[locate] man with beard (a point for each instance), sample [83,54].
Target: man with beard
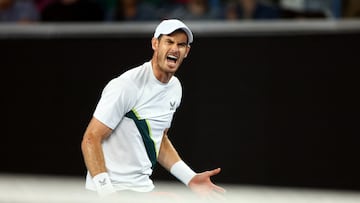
[127,134]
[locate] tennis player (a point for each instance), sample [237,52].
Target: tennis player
[127,134]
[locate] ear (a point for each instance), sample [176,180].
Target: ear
[154,43]
[187,51]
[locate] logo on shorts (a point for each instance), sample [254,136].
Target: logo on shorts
[172,105]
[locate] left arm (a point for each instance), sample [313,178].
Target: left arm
[168,155]
[200,183]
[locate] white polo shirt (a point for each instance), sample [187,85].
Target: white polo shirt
[138,108]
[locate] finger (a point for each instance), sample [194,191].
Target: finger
[214,171]
[213,196]
[217,196]
[219,189]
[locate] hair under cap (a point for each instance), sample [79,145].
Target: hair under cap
[169,26]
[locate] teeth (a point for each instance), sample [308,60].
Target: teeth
[172,57]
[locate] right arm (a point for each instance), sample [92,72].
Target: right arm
[91,147]
[93,155]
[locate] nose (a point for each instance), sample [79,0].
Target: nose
[175,47]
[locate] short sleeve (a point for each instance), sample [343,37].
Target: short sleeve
[117,98]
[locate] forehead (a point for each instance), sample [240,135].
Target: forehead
[178,34]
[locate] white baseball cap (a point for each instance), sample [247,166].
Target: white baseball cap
[169,26]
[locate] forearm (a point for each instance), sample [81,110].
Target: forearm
[168,155]
[171,161]
[93,156]
[91,146]
[94,161]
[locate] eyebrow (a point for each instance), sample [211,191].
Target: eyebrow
[172,41]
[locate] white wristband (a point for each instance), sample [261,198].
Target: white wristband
[182,172]
[103,184]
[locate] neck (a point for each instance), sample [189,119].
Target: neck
[159,74]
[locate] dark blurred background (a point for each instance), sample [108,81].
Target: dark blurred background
[270,102]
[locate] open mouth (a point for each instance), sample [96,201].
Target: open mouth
[172,58]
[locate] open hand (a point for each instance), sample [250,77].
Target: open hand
[202,185]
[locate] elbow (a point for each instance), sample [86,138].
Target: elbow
[84,143]
[88,142]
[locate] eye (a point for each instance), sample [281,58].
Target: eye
[182,45]
[169,41]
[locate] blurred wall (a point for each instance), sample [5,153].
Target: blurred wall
[268,109]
